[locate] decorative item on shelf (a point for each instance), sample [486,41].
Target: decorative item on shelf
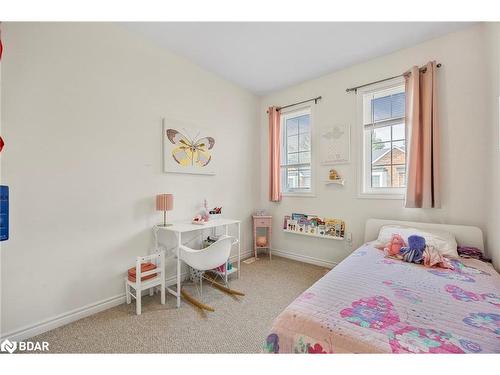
[312,225]
[333,175]
[285,221]
[292,225]
[165,202]
[334,178]
[260,212]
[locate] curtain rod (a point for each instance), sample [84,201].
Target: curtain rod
[355,89]
[302,102]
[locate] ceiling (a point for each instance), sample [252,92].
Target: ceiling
[265,57]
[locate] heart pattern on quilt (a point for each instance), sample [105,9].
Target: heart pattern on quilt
[373,312]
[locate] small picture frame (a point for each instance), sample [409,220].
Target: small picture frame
[335,145]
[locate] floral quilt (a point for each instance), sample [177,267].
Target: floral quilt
[372,304]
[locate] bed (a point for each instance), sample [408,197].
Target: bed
[373,304]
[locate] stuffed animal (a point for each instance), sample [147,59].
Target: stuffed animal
[394,246]
[414,252]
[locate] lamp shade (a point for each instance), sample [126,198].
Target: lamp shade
[164,202]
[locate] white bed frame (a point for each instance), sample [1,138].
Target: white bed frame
[464,234]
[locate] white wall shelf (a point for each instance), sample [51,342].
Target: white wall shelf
[339,181]
[314,235]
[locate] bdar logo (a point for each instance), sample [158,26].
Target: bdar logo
[8,346]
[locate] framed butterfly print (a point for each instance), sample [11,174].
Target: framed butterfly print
[187,149]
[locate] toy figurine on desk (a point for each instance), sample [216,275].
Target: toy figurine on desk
[216,211]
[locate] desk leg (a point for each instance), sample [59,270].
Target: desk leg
[227,261]
[239,250]
[178,270]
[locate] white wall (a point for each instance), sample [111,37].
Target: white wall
[463,117]
[81,117]
[493,48]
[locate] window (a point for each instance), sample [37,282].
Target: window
[384,141]
[296,173]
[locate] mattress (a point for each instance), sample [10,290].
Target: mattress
[373,304]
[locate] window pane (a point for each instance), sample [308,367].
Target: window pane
[304,157]
[305,177]
[398,105]
[381,134]
[303,124]
[304,142]
[381,153]
[398,132]
[381,108]
[292,178]
[398,152]
[292,143]
[381,177]
[292,126]
[292,158]
[399,175]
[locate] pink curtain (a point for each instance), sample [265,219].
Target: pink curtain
[274,154]
[423,144]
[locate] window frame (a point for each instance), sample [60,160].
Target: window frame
[365,190]
[284,115]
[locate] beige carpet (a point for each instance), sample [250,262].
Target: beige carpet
[237,326]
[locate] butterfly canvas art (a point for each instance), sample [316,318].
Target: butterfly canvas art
[188,150]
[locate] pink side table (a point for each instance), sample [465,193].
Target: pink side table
[262,222]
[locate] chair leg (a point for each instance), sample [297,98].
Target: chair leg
[162,292]
[127,293]
[138,302]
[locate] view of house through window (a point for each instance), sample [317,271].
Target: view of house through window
[384,140]
[296,151]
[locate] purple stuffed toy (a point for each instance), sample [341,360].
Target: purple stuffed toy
[414,252]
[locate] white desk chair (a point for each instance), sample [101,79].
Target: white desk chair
[149,273]
[210,257]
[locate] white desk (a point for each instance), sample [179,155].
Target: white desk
[184,227]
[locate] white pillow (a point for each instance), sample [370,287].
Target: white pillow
[442,240]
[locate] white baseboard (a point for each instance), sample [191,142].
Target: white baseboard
[63,319]
[304,258]
[82,312]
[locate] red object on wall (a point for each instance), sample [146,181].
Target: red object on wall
[1,47]
[1,144]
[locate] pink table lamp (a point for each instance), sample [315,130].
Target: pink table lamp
[164,202]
